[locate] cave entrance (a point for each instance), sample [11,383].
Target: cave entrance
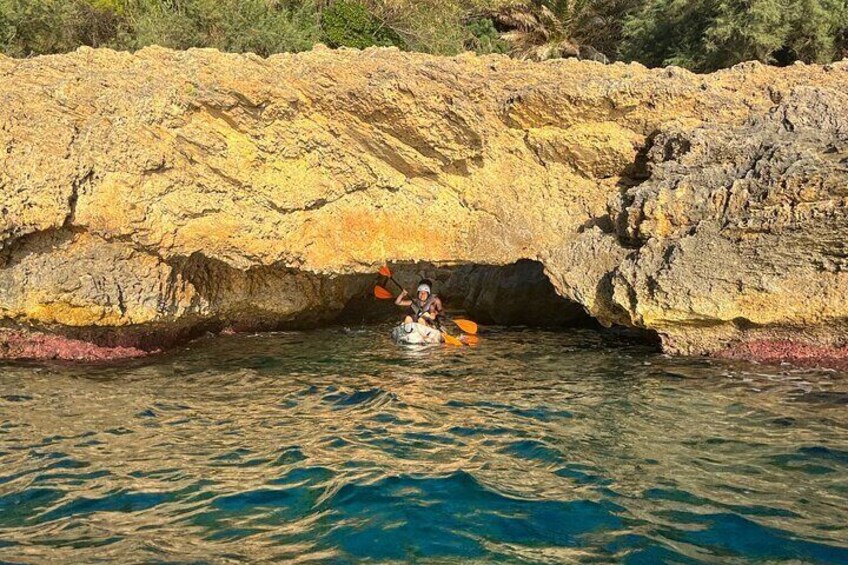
[518,294]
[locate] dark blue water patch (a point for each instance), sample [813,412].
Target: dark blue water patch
[35,454]
[155,473]
[289,456]
[391,445]
[387,418]
[90,443]
[542,413]
[17,507]
[357,397]
[196,493]
[272,506]
[149,413]
[784,422]
[825,453]
[534,450]
[812,460]
[81,543]
[71,479]
[482,431]
[68,463]
[233,534]
[337,443]
[285,499]
[16,397]
[288,404]
[730,535]
[582,474]
[676,495]
[722,441]
[119,501]
[56,463]
[7,543]
[824,397]
[14,476]
[451,516]
[170,406]
[423,439]
[312,390]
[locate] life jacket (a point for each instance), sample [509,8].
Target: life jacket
[420,308]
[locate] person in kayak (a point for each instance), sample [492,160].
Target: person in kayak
[426,307]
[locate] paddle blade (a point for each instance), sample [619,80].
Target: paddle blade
[382,293]
[384,270]
[471,339]
[450,340]
[467,326]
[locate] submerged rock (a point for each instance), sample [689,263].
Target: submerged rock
[151,197]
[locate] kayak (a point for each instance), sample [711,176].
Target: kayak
[416,334]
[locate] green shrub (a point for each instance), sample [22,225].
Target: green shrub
[34,27]
[256,26]
[669,32]
[485,38]
[345,23]
[705,35]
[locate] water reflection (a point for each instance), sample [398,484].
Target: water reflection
[336,445]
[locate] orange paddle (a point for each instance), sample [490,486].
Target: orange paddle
[466,326]
[384,294]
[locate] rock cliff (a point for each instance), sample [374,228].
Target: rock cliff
[147,197]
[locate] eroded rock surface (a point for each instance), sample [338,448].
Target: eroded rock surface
[148,197]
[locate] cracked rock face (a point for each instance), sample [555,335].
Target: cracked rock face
[149,196]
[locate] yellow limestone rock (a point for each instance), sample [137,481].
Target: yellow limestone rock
[178,188]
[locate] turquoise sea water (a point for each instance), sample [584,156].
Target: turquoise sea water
[336,446]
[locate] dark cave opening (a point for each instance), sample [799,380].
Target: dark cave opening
[514,295]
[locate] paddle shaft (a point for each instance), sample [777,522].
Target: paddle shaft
[392,278]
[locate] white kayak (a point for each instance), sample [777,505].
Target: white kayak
[416,334]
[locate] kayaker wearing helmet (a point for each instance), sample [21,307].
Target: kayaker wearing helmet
[426,306]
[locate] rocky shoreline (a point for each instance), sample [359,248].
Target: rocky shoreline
[150,197]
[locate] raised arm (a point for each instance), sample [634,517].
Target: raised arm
[401,299]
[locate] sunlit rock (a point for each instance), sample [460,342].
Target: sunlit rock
[169,193]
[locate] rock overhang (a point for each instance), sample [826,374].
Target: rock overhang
[709,208]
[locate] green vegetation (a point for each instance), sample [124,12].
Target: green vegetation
[701,35]
[350,24]
[705,35]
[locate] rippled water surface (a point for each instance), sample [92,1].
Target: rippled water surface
[336,446]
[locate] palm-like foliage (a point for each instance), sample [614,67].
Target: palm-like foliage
[535,32]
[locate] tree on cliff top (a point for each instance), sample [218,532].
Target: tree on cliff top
[543,29]
[705,35]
